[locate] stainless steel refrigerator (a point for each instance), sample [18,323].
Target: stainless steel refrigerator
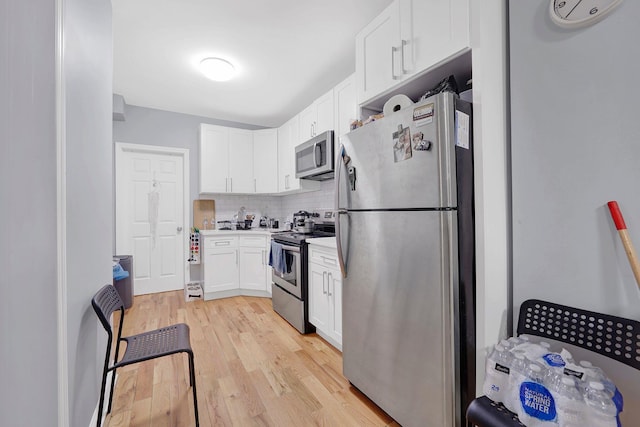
[405,235]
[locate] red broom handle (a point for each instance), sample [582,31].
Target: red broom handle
[618,220]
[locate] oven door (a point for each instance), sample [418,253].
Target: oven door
[291,281]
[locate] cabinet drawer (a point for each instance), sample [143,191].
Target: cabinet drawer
[253,241]
[323,256]
[220,242]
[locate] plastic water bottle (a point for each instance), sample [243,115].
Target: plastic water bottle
[601,411]
[517,376]
[594,373]
[570,405]
[498,369]
[537,405]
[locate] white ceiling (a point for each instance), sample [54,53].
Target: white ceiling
[288,52]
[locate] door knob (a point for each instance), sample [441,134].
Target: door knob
[179,229]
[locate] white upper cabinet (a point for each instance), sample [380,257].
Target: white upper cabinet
[316,118]
[241,161]
[431,31]
[407,38]
[378,55]
[288,138]
[265,160]
[214,159]
[237,160]
[345,107]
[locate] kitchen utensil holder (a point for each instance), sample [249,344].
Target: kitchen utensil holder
[611,336]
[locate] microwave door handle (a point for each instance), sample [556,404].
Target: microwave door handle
[339,211]
[316,147]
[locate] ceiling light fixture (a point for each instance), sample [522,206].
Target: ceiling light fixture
[217,69]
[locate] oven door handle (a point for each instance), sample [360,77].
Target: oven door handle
[291,248]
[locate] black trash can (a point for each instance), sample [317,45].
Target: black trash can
[125,286]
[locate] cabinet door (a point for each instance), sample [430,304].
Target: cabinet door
[241,161]
[318,299]
[324,113]
[307,120]
[214,159]
[378,54]
[265,160]
[253,269]
[285,154]
[445,34]
[220,270]
[335,304]
[345,107]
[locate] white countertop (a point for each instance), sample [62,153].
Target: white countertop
[264,231]
[327,242]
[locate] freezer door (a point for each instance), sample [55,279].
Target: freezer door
[398,330]
[391,164]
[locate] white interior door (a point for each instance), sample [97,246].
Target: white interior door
[150,213]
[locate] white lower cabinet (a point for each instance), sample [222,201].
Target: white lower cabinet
[220,264]
[325,294]
[235,265]
[253,263]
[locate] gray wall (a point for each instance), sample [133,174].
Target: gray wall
[575,146]
[88,66]
[28,265]
[29,195]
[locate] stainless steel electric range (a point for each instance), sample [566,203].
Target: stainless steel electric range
[290,296]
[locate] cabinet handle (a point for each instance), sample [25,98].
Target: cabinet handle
[223,243]
[324,273]
[404,44]
[230,185]
[393,62]
[236,257]
[329,275]
[226,185]
[255,186]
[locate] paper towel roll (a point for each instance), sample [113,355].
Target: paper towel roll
[396,103]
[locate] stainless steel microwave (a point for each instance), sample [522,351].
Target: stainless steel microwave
[314,158]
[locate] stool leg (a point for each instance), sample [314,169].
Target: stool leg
[192,379]
[113,381]
[101,402]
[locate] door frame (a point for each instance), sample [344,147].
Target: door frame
[121,148]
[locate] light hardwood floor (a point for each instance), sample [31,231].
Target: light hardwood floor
[252,369]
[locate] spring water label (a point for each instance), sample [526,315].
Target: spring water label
[554,360]
[537,401]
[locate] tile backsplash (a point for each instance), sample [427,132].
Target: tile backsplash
[279,207]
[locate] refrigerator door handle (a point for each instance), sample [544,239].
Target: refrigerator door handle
[339,211]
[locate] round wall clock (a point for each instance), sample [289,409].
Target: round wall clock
[580,13]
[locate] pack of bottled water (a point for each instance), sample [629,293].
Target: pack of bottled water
[547,388]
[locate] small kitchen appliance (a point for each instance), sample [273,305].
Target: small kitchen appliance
[314,158]
[303,221]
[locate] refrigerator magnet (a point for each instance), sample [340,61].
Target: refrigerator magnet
[423,115]
[419,144]
[401,144]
